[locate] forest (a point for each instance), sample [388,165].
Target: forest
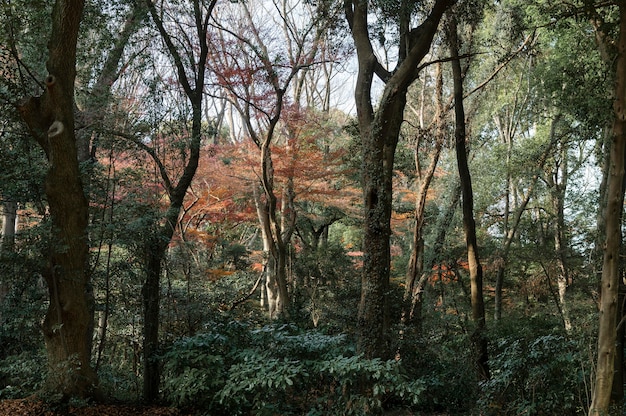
[312,207]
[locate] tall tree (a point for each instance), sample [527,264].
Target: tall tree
[379,129]
[265,85]
[613,214]
[189,58]
[50,119]
[415,279]
[469,224]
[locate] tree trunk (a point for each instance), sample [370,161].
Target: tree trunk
[272,294]
[50,119]
[7,244]
[617,391]
[611,264]
[469,225]
[155,250]
[379,132]
[558,187]
[413,286]
[9,226]
[157,244]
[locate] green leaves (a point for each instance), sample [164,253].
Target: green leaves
[280,369]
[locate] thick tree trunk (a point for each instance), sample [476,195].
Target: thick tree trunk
[50,119]
[611,264]
[617,391]
[151,293]
[379,132]
[378,154]
[473,259]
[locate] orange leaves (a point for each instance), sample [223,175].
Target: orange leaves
[216,274]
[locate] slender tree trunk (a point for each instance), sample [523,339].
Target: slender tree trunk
[157,244]
[7,243]
[413,283]
[473,259]
[9,226]
[558,201]
[50,119]
[511,227]
[611,265]
[275,261]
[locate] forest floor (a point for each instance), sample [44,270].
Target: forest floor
[33,407]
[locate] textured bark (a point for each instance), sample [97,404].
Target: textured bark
[611,264]
[50,119]
[469,225]
[379,130]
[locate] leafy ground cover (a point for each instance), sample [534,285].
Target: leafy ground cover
[33,407]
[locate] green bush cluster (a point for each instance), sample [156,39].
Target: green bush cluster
[280,369]
[535,375]
[21,374]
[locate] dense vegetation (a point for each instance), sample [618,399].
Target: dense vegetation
[313,208]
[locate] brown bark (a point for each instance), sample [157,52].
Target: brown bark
[413,283]
[611,264]
[50,119]
[162,230]
[557,182]
[379,130]
[469,225]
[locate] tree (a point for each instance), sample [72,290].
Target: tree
[415,279]
[613,214]
[192,81]
[469,224]
[50,119]
[379,129]
[258,81]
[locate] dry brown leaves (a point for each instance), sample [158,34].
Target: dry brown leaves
[32,407]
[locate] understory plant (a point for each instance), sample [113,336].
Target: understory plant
[280,369]
[535,375]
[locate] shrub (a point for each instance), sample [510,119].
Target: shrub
[541,375]
[280,369]
[21,375]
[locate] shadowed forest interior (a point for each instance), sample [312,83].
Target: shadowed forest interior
[297,207]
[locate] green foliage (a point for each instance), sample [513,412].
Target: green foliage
[325,293]
[21,375]
[279,369]
[535,375]
[194,369]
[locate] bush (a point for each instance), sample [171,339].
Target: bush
[279,369]
[541,375]
[21,375]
